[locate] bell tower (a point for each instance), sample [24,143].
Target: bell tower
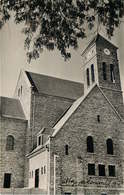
[100,65]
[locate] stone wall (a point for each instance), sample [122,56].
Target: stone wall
[46,110]
[115,97]
[74,133]
[13,161]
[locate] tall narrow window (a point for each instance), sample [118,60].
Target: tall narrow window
[91,169]
[88,77]
[111,170]
[7,180]
[39,140]
[112,72]
[66,149]
[109,144]
[101,170]
[104,71]
[90,146]
[41,170]
[92,73]
[44,169]
[10,142]
[98,118]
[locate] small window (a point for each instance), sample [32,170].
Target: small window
[10,143]
[39,140]
[101,170]
[111,170]
[98,118]
[104,71]
[109,144]
[92,73]
[44,169]
[41,170]
[66,149]
[112,72]
[91,169]
[90,146]
[88,77]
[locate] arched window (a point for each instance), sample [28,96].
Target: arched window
[88,77]
[112,72]
[90,147]
[98,118]
[109,144]
[92,73]
[10,142]
[66,149]
[104,71]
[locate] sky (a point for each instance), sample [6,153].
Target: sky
[13,58]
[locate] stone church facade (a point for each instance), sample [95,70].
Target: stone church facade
[66,137]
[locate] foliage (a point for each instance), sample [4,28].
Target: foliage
[60,23]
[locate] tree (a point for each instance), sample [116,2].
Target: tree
[60,23]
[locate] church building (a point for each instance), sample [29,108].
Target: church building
[65,137]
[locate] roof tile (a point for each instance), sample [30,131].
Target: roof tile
[55,86]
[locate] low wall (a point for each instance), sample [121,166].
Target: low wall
[22,191]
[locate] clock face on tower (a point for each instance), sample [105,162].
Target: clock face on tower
[107,51]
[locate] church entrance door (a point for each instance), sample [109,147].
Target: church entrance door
[7,180]
[36,178]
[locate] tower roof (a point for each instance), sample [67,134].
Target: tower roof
[55,86]
[95,39]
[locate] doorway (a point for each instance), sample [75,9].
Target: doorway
[36,178]
[7,180]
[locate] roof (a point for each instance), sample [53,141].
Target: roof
[94,40]
[46,130]
[75,105]
[55,86]
[10,107]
